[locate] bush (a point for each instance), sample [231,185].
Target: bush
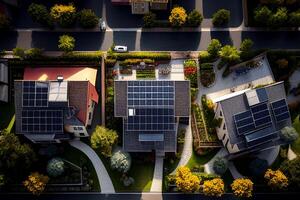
[4,22]
[246,45]
[178,17]
[149,19]
[55,167]
[206,66]
[279,18]
[262,15]
[221,17]
[214,47]
[36,183]
[87,18]
[66,43]
[33,53]
[220,165]
[214,187]
[194,18]
[19,52]
[294,18]
[258,167]
[64,15]
[291,168]
[40,14]
[229,53]
[288,134]
[120,161]
[110,62]
[276,179]
[186,181]
[205,57]
[242,188]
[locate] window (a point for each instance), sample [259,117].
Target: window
[75,128]
[81,134]
[224,127]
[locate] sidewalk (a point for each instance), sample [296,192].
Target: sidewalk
[157,175]
[103,177]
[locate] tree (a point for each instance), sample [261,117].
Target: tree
[262,15]
[220,165]
[65,15]
[279,18]
[36,183]
[214,47]
[103,139]
[242,187]
[221,17]
[229,54]
[246,45]
[289,134]
[66,43]
[291,168]
[214,187]
[33,53]
[120,161]
[258,167]
[4,22]
[186,181]
[149,19]
[178,17]
[294,18]
[87,18]
[194,18]
[55,167]
[13,154]
[276,179]
[40,14]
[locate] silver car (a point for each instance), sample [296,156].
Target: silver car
[120,49]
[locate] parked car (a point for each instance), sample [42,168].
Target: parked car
[102,25]
[120,49]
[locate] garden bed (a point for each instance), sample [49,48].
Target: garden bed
[207,74]
[145,74]
[157,56]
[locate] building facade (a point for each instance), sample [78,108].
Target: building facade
[143,6]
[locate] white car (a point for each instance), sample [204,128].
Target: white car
[102,25]
[120,49]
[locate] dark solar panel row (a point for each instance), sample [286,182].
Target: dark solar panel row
[150,95]
[279,103]
[242,115]
[259,137]
[149,127]
[282,117]
[266,121]
[150,102]
[35,94]
[280,110]
[261,114]
[246,129]
[258,108]
[150,83]
[154,111]
[244,122]
[143,89]
[151,119]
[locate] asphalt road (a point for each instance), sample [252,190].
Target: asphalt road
[154,41]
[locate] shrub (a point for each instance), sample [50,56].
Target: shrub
[206,66]
[242,188]
[289,134]
[110,62]
[87,18]
[229,53]
[221,17]
[246,45]
[214,187]
[276,179]
[220,165]
[294,18]
[33,53]
[19,52]
[36,183]
[258,167]
[194,18]
[120,161]
[178,17]
[55,167]
[66,43]
[65,15]
[4,22]
[40,14]
[279,18]
[214,47]
[149,19]
[205,57]
[262,15]
[291,168]
[186,181]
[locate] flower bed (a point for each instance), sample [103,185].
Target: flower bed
[126,71]
[145,74]
[207,74]
[190,72]
[130,62]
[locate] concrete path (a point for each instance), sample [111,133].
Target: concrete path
[208,167]
[234,172]
[103,177]
[157,175]
[187,148]
[291,154]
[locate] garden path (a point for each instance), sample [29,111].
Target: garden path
[157,175]
[103,177]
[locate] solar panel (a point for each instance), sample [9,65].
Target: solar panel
[244,122]
[261,114]
[242,115]
[266,121]
[261,136]
[35,94]
[246,129]
[280,110]
[279,103]
[151,137]
[282,117]
[259,108]
[262,94]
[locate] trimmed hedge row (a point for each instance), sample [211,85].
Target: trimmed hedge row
[135,62]
[140,55]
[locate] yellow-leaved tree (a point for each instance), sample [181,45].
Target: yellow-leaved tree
[242,187]
[186,181]
[214,187]
[36,183]
[178,17]
[276,179]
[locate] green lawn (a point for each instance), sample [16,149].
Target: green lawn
[201,160]
[6,114]
[296,144]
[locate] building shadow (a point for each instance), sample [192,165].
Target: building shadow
[8,40]
[223,36]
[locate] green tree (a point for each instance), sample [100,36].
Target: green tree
[220,165]
[178,17]
[194,18]
[87,18]
[33,53]
[36,183]
[229,54]
[246,45]
[14,154]
[221,17]
[279,18]
[214,47]
[104,139]
[262,15]
[55,167]
[289,134]
[40,14]
[149,19]
[242,188]
[291,168]
[4,22]
[294,18]
[186,181]
[276,179]
[65,15]
[120,161]
[66,43]
[214,187]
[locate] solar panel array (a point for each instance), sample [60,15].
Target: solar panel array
[261,115]
[35,94]
[244,122]
[280,110]
[42,121]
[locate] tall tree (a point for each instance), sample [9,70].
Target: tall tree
[214,47]
[229,53]
[66,43]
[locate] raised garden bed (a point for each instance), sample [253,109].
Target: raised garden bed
[190,72]
[207,74]
[145,74]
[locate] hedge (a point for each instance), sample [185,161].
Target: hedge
[135,62]
[141,55]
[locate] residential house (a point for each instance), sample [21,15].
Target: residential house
[143,6]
